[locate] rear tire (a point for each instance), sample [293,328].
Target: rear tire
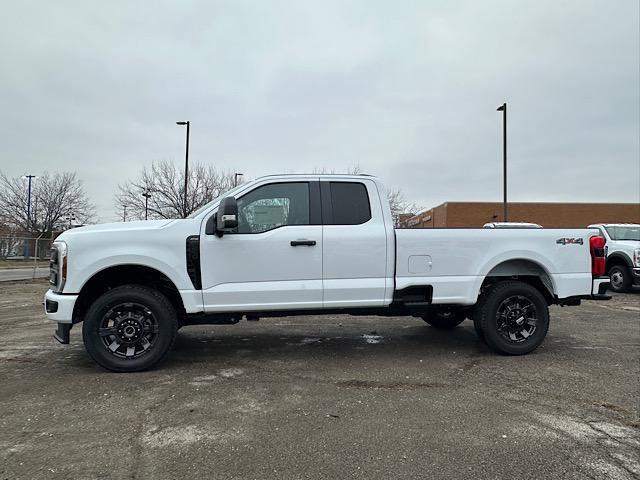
[513,317]
[129,328]
[445,318]
[620,279]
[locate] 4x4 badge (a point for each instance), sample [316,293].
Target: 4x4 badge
[567,241]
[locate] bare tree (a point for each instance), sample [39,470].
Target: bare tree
[9,240]
[400,205]
[164,182]
[353,170]
[54,197]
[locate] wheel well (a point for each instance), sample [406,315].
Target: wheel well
[616,260]
[526,271]
[116,276]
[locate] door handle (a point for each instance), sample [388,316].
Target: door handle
[309,243]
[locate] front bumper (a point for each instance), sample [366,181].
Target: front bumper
[635,276]
[58,307]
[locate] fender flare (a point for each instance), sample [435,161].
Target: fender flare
[525,255]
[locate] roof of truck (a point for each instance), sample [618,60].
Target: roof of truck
[312,174]
[615,225]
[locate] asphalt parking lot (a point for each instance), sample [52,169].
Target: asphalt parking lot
[325,397]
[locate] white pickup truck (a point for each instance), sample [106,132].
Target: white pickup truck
[623,254]
[309,244]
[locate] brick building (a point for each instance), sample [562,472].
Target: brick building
[549,215]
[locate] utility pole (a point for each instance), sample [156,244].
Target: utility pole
[503,108]
[146,194]
[186,166]
[235,178]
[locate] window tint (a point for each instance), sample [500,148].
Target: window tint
[272,206]
[350,203]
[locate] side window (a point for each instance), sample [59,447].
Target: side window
[272,206]
[350,202]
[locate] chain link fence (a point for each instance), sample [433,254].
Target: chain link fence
[17,252]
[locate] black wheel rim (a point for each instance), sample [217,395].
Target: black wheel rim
[128,330]
[517,319]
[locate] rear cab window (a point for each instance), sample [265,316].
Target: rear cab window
[349,203]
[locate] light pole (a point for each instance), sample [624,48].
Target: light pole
[503,108]
[186,166]
[235,178]
[26,246]
[30,178]
[71,218]
[146,194]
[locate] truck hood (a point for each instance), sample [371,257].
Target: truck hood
[625,244]
[139,225]
[625,247]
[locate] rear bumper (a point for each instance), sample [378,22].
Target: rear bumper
[599,288]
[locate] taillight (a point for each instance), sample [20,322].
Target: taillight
[598,257]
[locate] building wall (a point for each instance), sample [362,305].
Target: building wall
[549,215]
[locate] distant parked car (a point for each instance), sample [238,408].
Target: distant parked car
[511,225]
[623,254]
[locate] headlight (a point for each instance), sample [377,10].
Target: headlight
[58,266]
[636,257]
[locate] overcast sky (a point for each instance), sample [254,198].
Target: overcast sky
[405,89]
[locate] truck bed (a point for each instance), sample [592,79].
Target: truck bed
[455,261]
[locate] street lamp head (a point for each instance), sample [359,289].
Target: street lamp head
[502,107]
[182,123]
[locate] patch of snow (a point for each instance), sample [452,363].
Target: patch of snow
[372,338]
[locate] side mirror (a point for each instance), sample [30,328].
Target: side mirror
[227,216]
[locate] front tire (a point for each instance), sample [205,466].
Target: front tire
[513,317]
[620,279]
[129,328]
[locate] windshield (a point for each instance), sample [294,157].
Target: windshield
[624,233]
[206,206]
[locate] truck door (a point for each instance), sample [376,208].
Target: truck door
[273,260]
[354,259]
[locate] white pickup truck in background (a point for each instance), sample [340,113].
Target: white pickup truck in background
[623,254]
[309,244]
